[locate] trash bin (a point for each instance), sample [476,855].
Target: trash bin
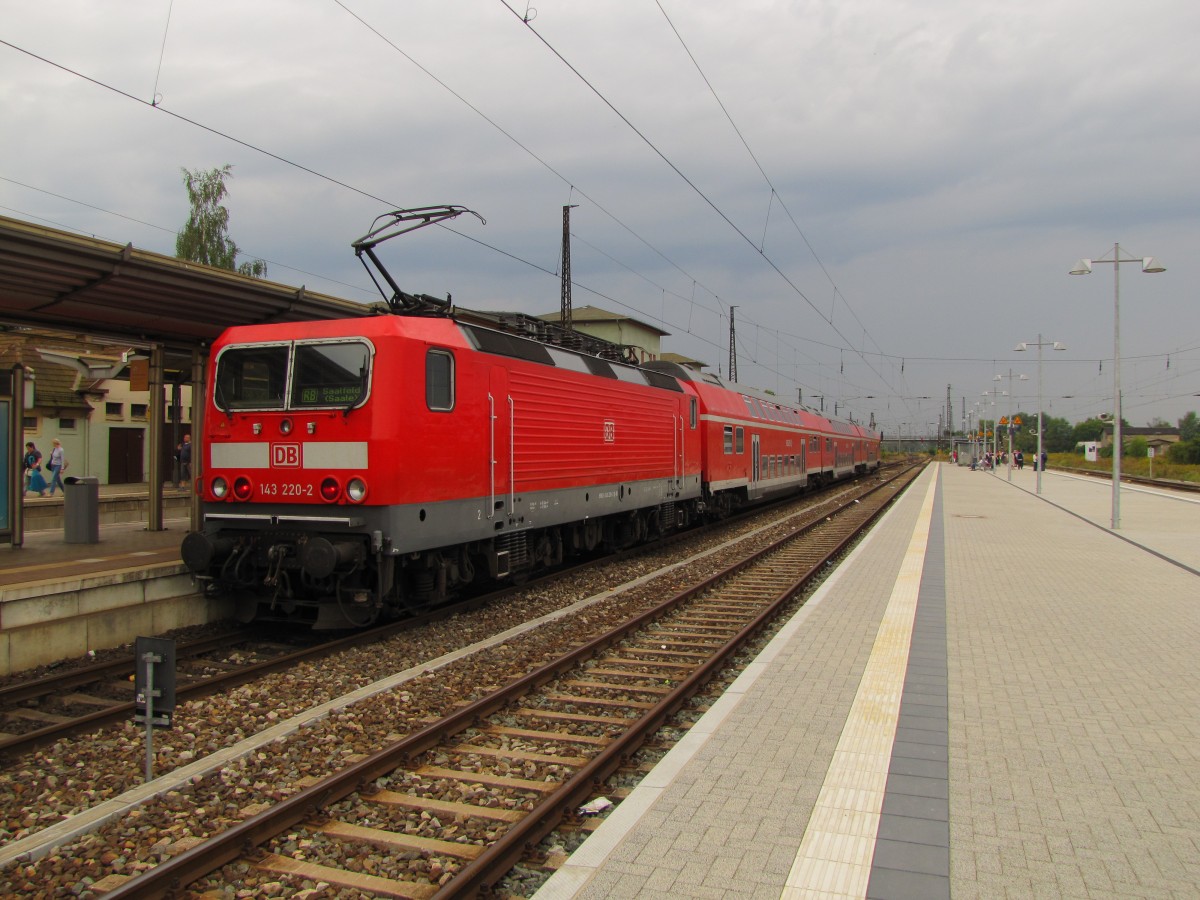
[81,509]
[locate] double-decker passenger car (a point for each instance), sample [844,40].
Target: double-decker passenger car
[756,447]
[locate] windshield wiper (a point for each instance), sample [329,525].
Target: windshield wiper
[362,392]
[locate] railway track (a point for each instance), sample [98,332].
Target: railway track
[1188,486]
[38,712]
[449,808]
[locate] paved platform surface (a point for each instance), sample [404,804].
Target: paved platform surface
[1024,679]
[44,554]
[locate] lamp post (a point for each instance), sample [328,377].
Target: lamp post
[1084,267]
[1025,345]
[1009,425]
[997,394]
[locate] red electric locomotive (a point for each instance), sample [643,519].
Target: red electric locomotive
[355,468]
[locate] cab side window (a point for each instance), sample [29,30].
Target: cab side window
[439,380]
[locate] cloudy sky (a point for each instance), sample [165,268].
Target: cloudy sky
[890,193]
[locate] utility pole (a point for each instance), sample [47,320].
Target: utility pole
[565,311]
[732,348]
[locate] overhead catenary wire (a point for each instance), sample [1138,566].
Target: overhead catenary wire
[370,195]
[708,200]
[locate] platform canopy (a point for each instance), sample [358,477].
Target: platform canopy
[58,280]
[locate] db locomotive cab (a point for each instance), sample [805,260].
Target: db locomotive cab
[286,477]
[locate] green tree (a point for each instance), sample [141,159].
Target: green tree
[1189,427]
[1187,452]
[205,238]
[1088,430]
[1059,437]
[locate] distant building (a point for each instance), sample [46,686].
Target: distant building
[1156,437]
[80,393]
[645,339]
[682,360]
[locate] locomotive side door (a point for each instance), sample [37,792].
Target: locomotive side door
[755,466]
[500,438]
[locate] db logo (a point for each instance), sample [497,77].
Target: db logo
[610,432]
[285,456]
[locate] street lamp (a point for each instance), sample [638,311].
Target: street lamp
[1084,267]
[996,394]
[1009,428]
[1025,345]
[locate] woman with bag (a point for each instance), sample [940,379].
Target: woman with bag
[56,464]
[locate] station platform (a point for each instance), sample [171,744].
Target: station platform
[59,600]
[994,696]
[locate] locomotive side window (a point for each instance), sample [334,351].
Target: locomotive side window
[252,377]
[694,414]
[330,374]
[439,380]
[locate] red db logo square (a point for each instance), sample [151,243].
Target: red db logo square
[285,456]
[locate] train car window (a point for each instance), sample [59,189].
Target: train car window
[740,440]
[331,374]
[758,410]
[728,438]
[828,444]
[693,412]
[439,380]
[749,406]
[251,377]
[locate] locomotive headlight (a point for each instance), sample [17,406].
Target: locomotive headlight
[356,490]
[242,488]
[220,487]
[285,426]
[330,490]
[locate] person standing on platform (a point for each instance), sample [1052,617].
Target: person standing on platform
[56,464]
[32,460]
[185,460]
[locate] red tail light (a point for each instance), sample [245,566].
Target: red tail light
[242,488]
[330,490]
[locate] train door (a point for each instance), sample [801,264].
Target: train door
[755,467]
[500,414]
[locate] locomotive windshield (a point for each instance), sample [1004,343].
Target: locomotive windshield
[252,377]
[332,374]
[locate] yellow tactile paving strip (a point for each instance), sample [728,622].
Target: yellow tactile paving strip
[834,859]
